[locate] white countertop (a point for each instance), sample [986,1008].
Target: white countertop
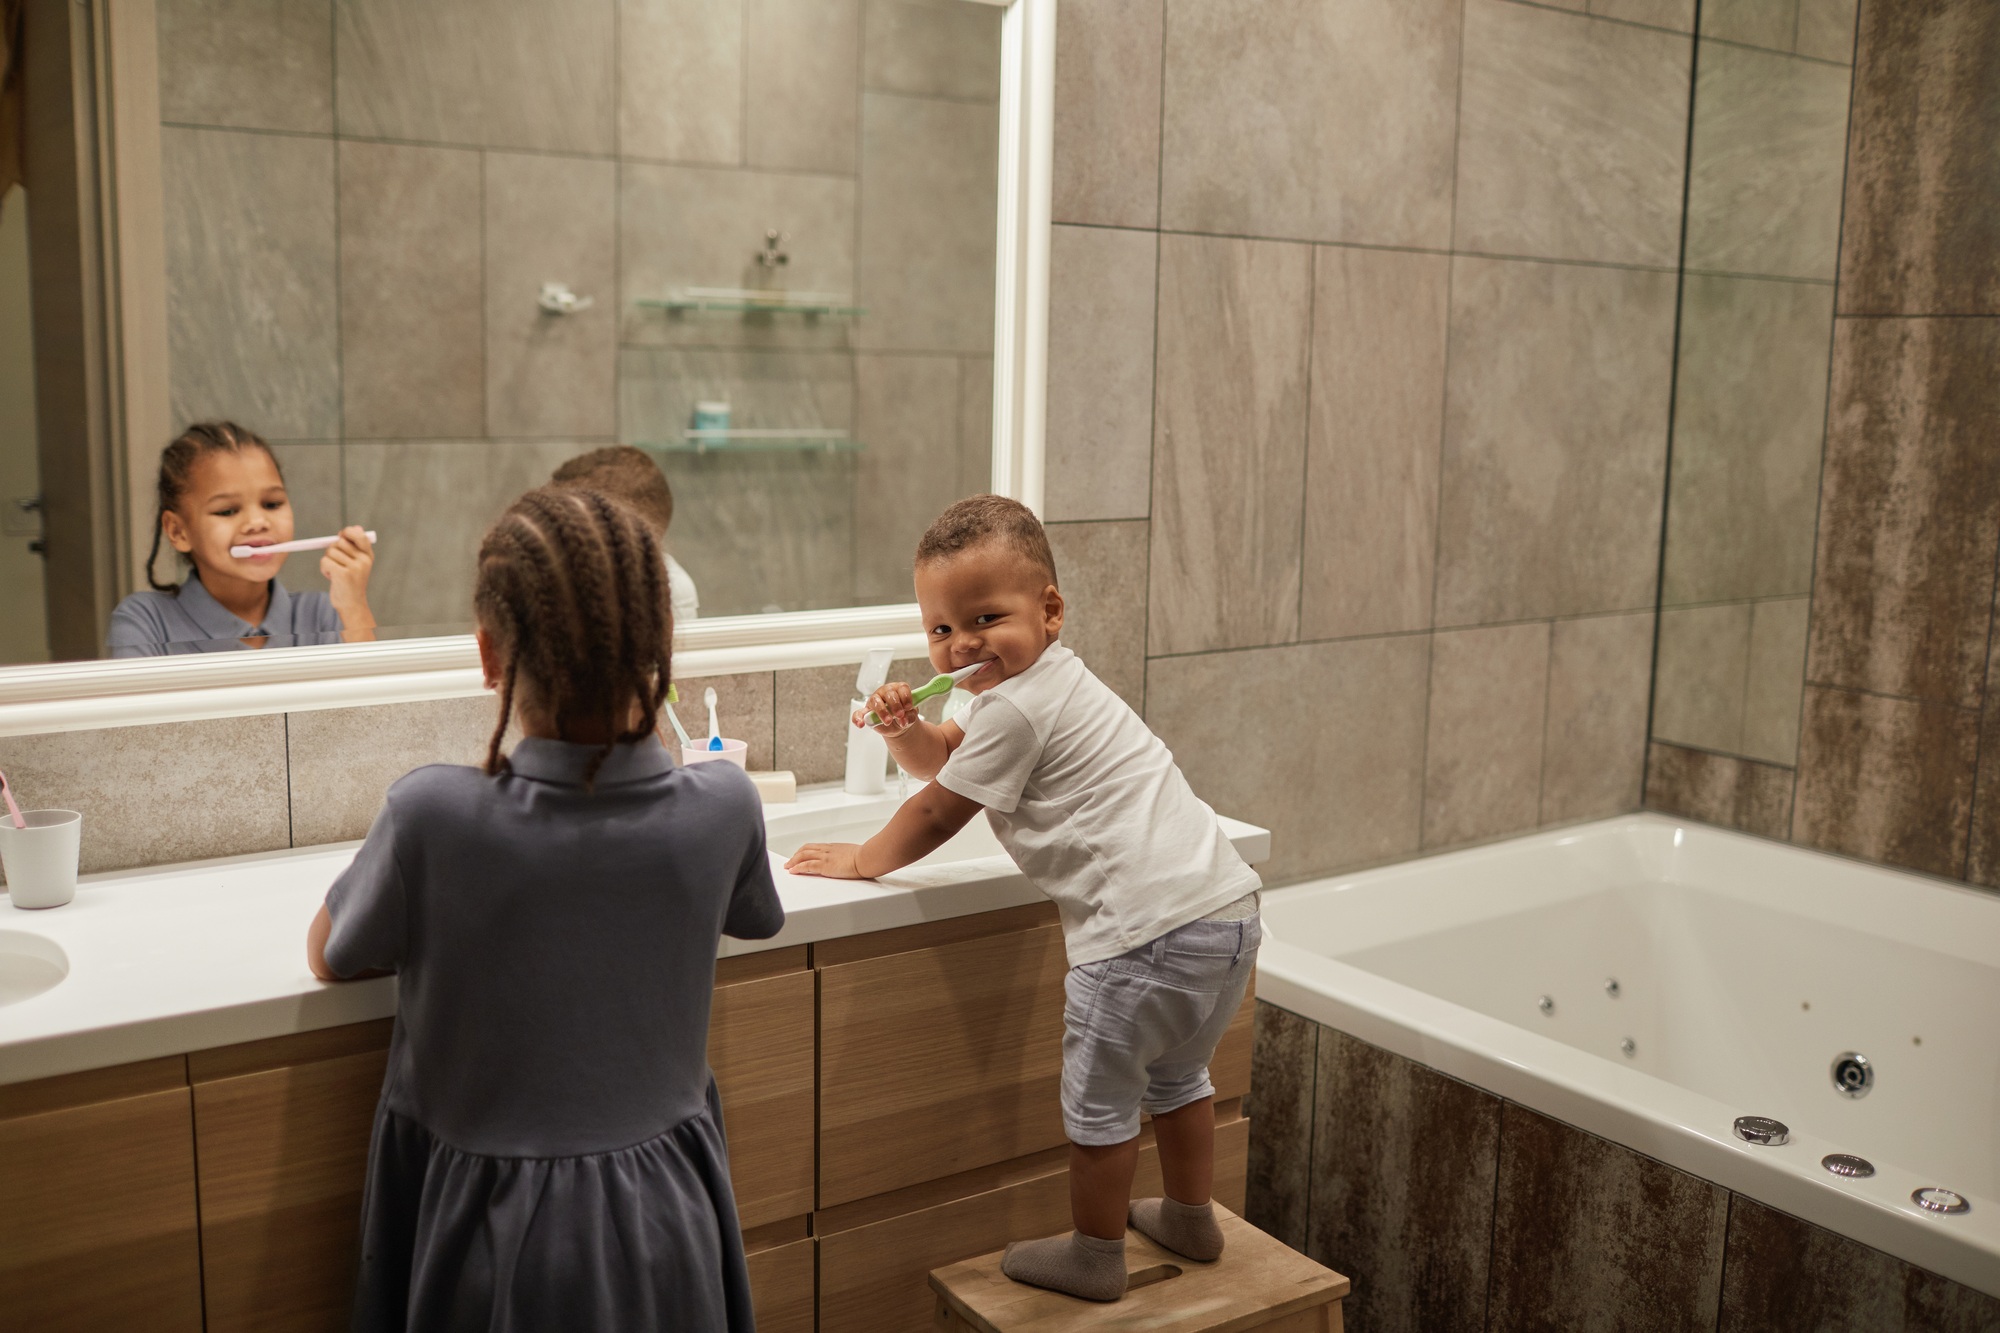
[181,958]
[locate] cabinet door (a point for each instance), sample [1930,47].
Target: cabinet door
[781,1287]
[283,1155]
[760,1045]
[97,1216]
[938,1060]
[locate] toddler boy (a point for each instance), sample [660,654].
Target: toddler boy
[625,474]
[1159,914]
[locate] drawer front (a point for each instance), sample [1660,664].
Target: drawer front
[760,1045]
[876,1278]
[97,1217]
[781,1287]
[938,1060]
[283,1154]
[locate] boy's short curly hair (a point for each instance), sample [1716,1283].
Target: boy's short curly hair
[983,518]
[627,475]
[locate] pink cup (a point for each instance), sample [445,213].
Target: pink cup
[734,752]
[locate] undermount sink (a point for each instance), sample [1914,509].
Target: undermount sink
[29,965]
[860,822]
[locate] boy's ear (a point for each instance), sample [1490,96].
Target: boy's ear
[1052,610]
[176,532]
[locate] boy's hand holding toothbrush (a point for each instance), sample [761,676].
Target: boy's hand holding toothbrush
[890,711]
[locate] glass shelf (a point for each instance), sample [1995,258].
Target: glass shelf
[736,300]
[795,439]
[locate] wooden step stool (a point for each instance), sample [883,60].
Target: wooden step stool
[1257,1284]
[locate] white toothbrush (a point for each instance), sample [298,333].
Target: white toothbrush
[286,548]
[714,727]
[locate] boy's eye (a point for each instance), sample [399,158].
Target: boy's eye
[940,630]
[985,620]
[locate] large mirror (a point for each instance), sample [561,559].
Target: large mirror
[735,262]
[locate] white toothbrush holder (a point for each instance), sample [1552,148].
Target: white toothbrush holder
[732,752]
[41,859]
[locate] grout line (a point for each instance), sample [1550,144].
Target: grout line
[1305,451]
[1493,1213]
[291,832]
[485,335]
[1153,396]
[1718,754]
[1865,692]
[1600,18]
[1722,1278]
[194,1161]
[1548,692]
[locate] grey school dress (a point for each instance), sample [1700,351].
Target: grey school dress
[548,1150]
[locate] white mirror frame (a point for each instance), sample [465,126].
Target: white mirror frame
[76,696]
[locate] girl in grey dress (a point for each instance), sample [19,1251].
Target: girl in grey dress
[548,1150]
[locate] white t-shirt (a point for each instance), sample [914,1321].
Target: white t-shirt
[681,595]
[1091,806]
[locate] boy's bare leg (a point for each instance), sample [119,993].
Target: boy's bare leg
[1090,1261]
[1183,1221]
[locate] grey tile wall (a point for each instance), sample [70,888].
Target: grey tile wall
[1886,779]
[906,413]
[932,48]
[1102,572]
[1594,749]
[680,80]
[342,760]
[1489,693]
[1720,789]
[1100,398]
[1278,1193]
[1106,167]
[800,109]
[312,484]
[208,44]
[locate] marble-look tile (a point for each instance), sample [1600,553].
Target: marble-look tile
[1886,779]
[812,717]
[431,501]
[1483,762]
[1909,509]
[1826,29]
[248,64]
[1101,568]
[803,98]
[745,706]
[342,760]
[1251,731]
[1316,122]
[905,410]
[1765,23]
[412,340]
[312,483]
[1106,162]
[1589,1234]
[1783,1273]
[1594,760]
[1775,679]
[1983,861]
[929,194]
[252,332]
[680,79]
[1379,320]
[1554,441]
[932,48]
[1572,137]
[704,226]
[1675,14]
[1279,1181]
[1100,379]
[1921,234]
[1229,442]
[1698,685]
[765,532]
[1770,144]
[1719,789]
[550,219]
[531,74]
[1743,497]
[1403,1164]
[134,788]
[975,425]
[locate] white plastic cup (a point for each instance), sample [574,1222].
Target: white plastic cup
[733,752]
[40,860]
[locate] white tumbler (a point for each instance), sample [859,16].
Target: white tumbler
[40,860]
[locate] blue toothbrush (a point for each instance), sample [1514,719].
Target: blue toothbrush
[714,727]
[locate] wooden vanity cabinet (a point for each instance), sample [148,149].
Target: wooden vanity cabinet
[97,1202]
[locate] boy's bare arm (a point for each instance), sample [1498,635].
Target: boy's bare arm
[923,749]
[919,827]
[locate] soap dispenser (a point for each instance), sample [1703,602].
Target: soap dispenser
[867,752]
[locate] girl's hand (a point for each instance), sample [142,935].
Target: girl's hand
[832,860]
[891,703]
[347,565]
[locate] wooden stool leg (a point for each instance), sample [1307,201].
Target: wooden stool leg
[946,1320]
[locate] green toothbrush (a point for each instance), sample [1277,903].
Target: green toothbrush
[935,686]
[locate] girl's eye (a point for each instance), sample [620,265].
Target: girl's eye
[226,513]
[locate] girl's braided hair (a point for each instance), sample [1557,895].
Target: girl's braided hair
[177,462]
[574,593]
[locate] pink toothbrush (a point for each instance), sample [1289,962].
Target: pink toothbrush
[13,811]
[285,548]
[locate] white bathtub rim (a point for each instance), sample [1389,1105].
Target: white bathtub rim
[1637,1110]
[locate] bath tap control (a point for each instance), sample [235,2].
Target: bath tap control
[1763,1131]
[1936,1200]
[1853,1076]
[1547,1004]
[1847,1164]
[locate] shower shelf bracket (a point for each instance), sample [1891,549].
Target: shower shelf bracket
[749,301]
[795,440]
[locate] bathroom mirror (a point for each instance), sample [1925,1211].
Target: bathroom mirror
[792,253]
[1756,332]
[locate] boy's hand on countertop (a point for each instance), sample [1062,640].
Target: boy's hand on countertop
[893,704]
[831,860]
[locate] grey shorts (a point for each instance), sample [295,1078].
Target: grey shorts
[1139,1029]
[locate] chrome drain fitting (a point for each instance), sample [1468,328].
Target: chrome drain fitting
[1853,1076]
[1937,1200]
[1847,1164]
[1763,1131]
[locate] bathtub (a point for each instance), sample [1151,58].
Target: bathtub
[1744,972]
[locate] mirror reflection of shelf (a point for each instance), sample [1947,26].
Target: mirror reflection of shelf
[794,439]
[742,300]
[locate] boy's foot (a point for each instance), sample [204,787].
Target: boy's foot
[1188,1230]
[1077,1264]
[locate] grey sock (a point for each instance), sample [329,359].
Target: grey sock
[1080,1265]
[1189,1230]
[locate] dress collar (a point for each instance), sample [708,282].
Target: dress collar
[566,762]
[219,622]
